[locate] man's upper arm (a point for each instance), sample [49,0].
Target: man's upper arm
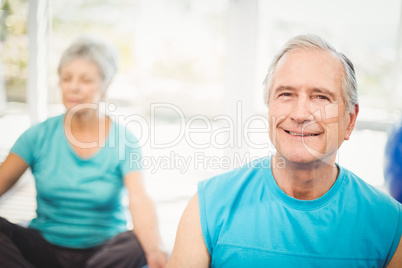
[396,260]
[189,249]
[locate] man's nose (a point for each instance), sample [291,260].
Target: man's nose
[300,111]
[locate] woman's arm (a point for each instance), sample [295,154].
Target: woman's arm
[144,220]
[10,171]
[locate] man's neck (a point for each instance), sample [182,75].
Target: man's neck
[304,181]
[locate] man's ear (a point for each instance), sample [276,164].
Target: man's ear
[352,122]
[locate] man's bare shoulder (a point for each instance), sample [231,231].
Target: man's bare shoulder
[189,249]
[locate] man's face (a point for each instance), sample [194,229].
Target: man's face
[306,107]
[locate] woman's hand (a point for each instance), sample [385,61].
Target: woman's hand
[144,220]
[156,259]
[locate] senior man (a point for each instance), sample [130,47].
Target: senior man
[297,208]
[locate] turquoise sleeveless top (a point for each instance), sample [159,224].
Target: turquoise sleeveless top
[248,221]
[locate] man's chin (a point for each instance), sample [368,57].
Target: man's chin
[302,158]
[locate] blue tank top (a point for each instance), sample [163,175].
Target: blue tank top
[248,221]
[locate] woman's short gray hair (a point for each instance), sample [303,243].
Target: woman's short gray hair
[349,84]
[95,50]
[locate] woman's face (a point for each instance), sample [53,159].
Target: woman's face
[81,83]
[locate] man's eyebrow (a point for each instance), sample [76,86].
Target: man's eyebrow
[283,88]
[324,91]
[315,90]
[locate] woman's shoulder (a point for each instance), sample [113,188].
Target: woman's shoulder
[46,127]
[123,130]
[36,138]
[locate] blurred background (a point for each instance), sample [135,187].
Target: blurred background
[197,60]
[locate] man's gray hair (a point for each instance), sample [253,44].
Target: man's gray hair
[95,50]
[349,84]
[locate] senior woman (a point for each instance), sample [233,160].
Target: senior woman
[81,164]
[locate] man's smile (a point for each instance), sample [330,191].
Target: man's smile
[303,134]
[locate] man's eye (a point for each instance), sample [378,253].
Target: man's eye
[285,94]
[322,97]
